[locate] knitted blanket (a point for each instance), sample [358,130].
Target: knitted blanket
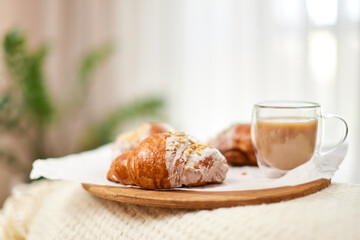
[63,210]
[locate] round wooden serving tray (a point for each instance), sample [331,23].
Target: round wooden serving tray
[204,200]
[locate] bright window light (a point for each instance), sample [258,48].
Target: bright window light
[288,12]
[322,56]
[322,12]
[353,10]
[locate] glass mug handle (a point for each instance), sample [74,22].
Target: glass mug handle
[333,116]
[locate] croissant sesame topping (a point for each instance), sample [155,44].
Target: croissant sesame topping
[181,137]
[180,134]
[169,149]
[188,151]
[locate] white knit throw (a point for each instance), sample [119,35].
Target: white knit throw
[63,210]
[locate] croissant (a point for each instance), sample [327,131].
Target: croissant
[128,141]
[235,144]
[168,160]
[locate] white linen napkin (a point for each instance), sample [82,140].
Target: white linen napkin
[92,166]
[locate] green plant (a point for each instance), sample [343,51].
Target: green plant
[27,109]
[27,96]
[92,60]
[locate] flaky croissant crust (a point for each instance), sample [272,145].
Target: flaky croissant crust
[235,143]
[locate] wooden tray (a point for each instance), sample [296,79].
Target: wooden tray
[204,200]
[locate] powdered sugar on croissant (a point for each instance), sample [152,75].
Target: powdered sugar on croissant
[190,163]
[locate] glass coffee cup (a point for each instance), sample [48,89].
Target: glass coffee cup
[286,134]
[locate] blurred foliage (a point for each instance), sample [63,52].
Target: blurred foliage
[4,101]
[91,61]
[27,100]
[26,68]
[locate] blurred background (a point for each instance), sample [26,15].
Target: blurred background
[75,73]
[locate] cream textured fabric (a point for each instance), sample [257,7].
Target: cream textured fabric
[63,210]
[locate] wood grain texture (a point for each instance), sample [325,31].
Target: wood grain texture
[204,200]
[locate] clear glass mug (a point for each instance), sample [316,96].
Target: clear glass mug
[286,134]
